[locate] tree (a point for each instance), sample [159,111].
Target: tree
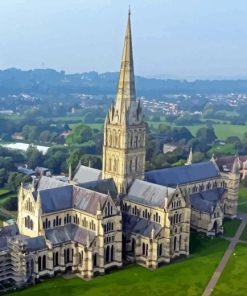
[45,136]
[80,134]
[34,157]
[206,135]
[3,177]
[15,179]
[56,159]
[234,140]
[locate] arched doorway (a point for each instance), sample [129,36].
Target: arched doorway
[175,244]
[215,227]
[133,245]
[112,253]
[107,254]
[95,260]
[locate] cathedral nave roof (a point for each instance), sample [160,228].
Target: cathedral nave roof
[149,194]
[183,174]
[85,174]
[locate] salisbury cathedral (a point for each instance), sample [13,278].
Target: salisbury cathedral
[102,220]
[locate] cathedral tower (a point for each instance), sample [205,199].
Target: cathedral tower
[124,129]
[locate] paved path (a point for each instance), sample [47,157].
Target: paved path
[224,260]
[242,216]
[242,203]
[6,214]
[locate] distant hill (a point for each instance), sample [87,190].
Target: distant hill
[48,81]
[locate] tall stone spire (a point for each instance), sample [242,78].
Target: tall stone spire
[124,130]
[126,85]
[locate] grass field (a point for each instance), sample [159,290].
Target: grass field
[3,191]
[191,277]
[242,198]
[7,197]
[222,131]
[244,234]
[233,280]
[230,227]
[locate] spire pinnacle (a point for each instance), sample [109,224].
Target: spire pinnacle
[190,157]
[126,85]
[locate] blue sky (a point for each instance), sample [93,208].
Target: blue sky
[178,38]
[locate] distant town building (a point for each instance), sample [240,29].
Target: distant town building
[169,148]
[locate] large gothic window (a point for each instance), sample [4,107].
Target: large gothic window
[112,253]
[107,254]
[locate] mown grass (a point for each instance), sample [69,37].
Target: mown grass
[233,280]
[244,234]
[184,277]
[3,191]
[242,198]
[230,227]
[222,131]
[6,198]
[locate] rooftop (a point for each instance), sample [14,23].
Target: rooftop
[179,175]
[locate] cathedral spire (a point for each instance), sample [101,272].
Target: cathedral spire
[190,157]
[126,84]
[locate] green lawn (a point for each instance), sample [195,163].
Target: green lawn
[222,131]
[242,198]
[3,191]
[7,197]
[233,280]
[230,227]
[244,234]
[185,277]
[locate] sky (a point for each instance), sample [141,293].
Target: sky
[171,38]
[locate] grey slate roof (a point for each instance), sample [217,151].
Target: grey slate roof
[149,194]
[137,225]
[6,233]
[102,186]
[68,196]
[205,201]
[32,243]
[85,174]
[56,199]
[174,176]
[49,183]
[88,200]
[70,232]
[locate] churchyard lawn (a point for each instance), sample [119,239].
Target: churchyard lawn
[233,280]
[230,227]
[242,198]
[184,277]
